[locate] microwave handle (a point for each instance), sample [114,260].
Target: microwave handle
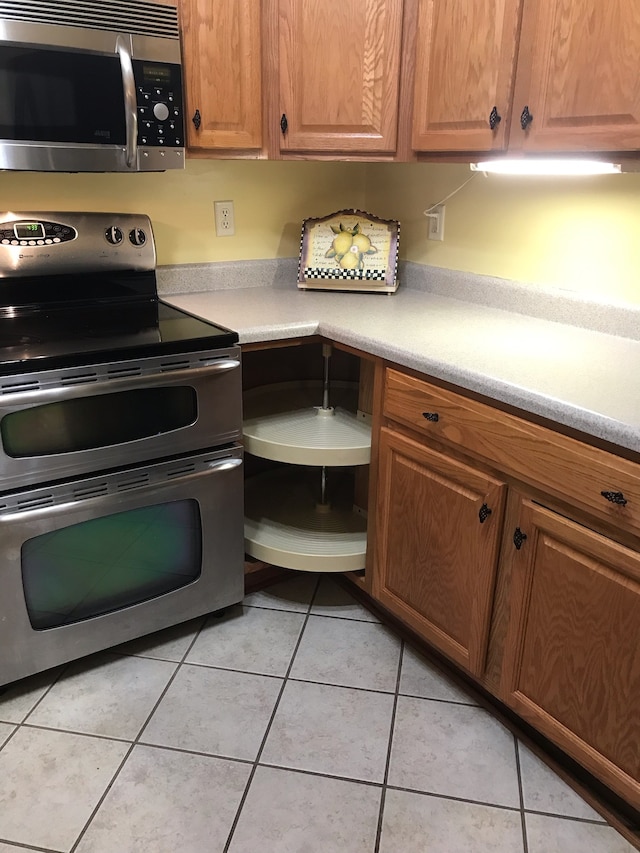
[130,100]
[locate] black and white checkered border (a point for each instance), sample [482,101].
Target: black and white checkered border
[335,273]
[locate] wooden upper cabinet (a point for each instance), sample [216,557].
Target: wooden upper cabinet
[578,76]
[339,65]
[573,65]
[465,65]
[222,57]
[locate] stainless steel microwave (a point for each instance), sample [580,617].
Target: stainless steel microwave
[90,86]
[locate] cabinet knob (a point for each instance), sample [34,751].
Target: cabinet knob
[615,497]
[484,513]
[525,118]
[494,118]
[197,119]
[284,124]
[431,416]
[518,538]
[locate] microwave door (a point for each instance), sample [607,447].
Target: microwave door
[66,110]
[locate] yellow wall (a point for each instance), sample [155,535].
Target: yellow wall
[270,201]
[580,234]
[577,234]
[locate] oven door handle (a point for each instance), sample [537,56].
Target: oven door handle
[114,384]
[216,466]
[130,101]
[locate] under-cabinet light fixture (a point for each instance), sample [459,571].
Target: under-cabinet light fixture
[546,166]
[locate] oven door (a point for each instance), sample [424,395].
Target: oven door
[59,424]
[96,562]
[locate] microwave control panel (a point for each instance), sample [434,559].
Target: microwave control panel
[159,101]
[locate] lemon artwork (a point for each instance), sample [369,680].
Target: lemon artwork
[349,247]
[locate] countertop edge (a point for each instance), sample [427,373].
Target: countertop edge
[266,314]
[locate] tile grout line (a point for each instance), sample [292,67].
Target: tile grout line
[24,724]
[438,796]
[245,794]
[136,740]
[220,668]
[320,615]
[24,721]
[525,841]
[385,779]
[20,846]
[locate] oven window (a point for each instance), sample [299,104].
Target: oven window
[85,423]
[108,563]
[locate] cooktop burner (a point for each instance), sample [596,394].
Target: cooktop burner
[89,298]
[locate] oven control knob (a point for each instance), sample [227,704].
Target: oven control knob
[161,111]
[114,235]
[137,237]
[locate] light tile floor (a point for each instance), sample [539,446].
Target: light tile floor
[296,723]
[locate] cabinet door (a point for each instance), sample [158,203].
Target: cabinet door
[221,47]
[465,65]
[572,657]
[436,559]
[339,74]
[578,76]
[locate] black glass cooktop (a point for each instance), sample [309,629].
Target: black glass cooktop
[65,332]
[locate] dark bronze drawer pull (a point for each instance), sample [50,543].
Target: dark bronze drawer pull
[615,497]
[431,416]
[484,513]
[518,538]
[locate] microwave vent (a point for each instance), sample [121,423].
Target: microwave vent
[138,17]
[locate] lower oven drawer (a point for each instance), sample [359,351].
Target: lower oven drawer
[61,423]
[91,563]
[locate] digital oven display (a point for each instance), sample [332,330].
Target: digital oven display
[29,231]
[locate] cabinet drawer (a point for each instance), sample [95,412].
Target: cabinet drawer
[558,465]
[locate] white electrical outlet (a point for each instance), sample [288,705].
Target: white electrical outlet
[225,221]
[436,223]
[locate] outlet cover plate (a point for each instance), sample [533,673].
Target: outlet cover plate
[225,219]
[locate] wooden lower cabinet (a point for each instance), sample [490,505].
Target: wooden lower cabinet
[571,664]
[540,608]
[438,524]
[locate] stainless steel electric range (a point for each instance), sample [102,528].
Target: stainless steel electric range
[120,468]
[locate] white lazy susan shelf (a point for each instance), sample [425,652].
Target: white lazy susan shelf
[285,525]
[299,518]
[286,423]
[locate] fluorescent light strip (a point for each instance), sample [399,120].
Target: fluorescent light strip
[543,166]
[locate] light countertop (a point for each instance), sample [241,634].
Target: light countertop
[584,379]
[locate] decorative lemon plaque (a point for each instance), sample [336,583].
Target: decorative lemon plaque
[349,250]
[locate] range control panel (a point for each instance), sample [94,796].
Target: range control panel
[56,243]
[26,233]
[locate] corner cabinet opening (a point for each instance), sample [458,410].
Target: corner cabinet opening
[307,438]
